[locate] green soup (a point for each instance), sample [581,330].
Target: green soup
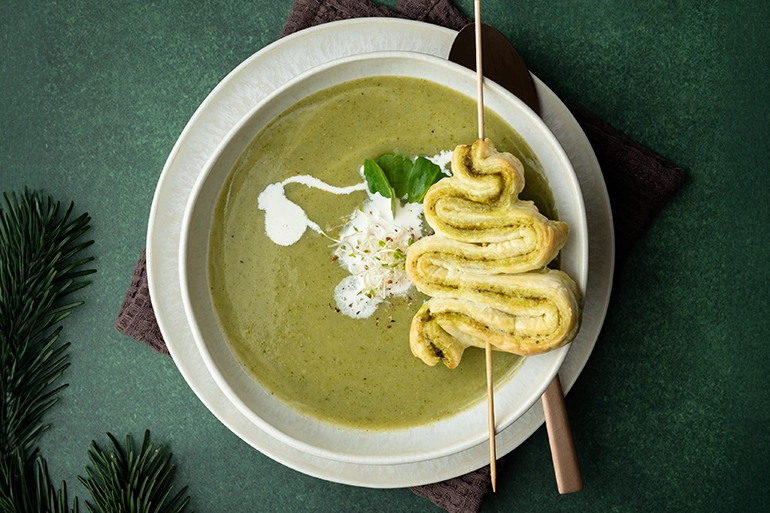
[276,305]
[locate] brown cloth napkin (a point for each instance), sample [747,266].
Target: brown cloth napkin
[639,182]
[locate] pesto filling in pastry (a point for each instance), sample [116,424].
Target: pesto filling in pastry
[485,266]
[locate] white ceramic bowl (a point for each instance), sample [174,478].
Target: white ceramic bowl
[466,429]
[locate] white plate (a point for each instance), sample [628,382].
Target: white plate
[254,79]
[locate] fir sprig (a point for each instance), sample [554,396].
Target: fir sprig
[132,482]
[41,264]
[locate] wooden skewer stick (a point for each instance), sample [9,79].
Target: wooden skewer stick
[488,347]
[479,70]
[491,414]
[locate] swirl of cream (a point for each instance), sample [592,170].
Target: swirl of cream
[285,221]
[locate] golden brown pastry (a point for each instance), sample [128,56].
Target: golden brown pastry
[485,265]
[480,204]
[526,314]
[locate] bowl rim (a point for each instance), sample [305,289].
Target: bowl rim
[557,356]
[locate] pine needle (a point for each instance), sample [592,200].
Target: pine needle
[41,263]
[38,268]
[123,480]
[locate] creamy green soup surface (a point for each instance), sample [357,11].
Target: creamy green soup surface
[275,303]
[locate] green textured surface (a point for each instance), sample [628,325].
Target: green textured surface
[671,411]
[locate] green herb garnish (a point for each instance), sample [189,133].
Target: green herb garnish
[397,169]
[376,179]
[424,174]
[379,183]
[396,177]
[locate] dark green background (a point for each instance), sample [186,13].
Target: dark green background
[671,412]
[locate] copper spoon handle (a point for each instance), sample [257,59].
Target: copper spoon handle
[507,68]
[565,462]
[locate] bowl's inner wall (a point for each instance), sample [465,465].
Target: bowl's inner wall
[428,441]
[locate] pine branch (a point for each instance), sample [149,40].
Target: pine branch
[38,246]
[39,267]
[53,502]
[34,491]
[132,482]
